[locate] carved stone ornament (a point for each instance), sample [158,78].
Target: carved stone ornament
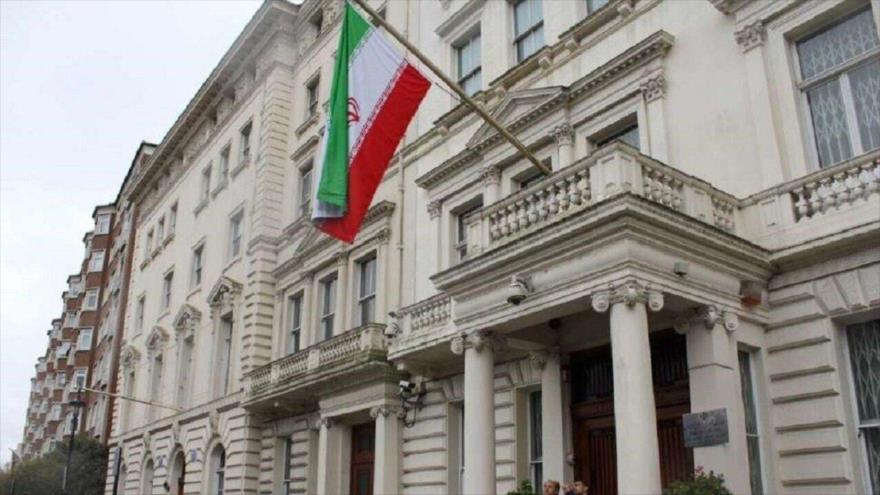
[214,423]
[654,88]
[477,341]
[490,176]
[629,292]
[539,359]
[129,357]
[433,209]
[707,318]
[383,236]
[751,36]
[386,411]
[187,320]
[224,294]
[326,422]
[156,339]
[563,134]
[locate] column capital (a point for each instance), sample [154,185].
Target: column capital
[654,88]
[326,422]
[539,359]
[751,35]
[490,175]
[383,236]
[707,317]
[477,341]
[629,292]
[434,209]
[563,134]
[385,411]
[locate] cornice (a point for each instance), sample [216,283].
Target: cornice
[456,18]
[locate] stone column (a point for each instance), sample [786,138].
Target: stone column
[714,384]
[635,415]
[434,208]
[383,261]
[552,417]
[479,410]
[751,40]
[491,184]
[386,470]
[330,457]
[563,134]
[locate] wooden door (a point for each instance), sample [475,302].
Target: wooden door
[363,457]
[593,413]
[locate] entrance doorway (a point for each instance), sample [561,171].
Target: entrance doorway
[178,474]
[363,457]
[593,412]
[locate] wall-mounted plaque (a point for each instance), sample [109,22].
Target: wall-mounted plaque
[704,429]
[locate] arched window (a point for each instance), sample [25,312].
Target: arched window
[218,470]
[177,481]
[147,478]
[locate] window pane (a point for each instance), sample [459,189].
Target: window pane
[535,433]
[872,446]
[864,351]
[865,83]
[829,123]
[837,44]
[751,418]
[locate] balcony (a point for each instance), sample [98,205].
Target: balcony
[346,359]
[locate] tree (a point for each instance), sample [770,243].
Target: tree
[42,476]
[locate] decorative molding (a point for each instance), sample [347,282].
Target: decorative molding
[562,134]
[223,296]
[156,339]
[490,175]
[477,341]
[728,7]
[326,422]
[654,88]
[629,292]
[434,209]
[539,359]
[385,411]
[129,357]
[186,321]
[708,317]
[751,36]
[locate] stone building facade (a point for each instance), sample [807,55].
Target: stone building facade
[707,241]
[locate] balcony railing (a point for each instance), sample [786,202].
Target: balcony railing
[367,341]
[429,313]
[614,169]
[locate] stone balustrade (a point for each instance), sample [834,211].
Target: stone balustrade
[612,170]
[835,188]
[324,355]
[428,313]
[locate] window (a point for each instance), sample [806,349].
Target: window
[172,219]
[218,470]
[166,290]
[60,378]
[594,5]
[223,169]
[56,413]
[528,24]
[235,235]
[840,68]
[148,244]
[91,301]
[294,323]
[160,230]
[305,190]
[184,360]
[461,230]
[155,383]
[536,472]
[328,305]
[312,96]
[139,313]
[102,224]
[96,263]
[84,341]
[206,184]
[287,480]
[629,135]
[753,439]
[863,341]
[468,61]
[225,354]
[530,176]
[367,290]
[245,139]
[126,405]
[197,262]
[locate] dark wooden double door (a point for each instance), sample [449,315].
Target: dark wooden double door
[363,458]
[593,413]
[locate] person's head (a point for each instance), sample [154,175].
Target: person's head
[551,487]
[580,488]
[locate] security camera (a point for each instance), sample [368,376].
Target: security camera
[407,388]
[519,289]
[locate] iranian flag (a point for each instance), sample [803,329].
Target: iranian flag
[374,95]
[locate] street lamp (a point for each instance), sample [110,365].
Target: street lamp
[76,404]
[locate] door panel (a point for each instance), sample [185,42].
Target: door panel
[363,455]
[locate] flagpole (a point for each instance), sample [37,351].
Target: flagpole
[455,87]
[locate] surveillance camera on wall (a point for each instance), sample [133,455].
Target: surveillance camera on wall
[519,289]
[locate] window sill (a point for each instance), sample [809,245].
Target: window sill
[220,186]
[241,166]
[156,251]
[168,239]
[309,122]
[145,263]
[231,263]
[195,290]
[201,206]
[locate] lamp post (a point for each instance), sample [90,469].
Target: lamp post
[76,404]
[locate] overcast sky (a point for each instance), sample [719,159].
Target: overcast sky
[81,84]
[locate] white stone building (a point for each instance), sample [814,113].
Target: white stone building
[708,240]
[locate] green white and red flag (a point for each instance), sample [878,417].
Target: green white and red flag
[374,95]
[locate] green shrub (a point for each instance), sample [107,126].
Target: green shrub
[699,484]
[525,488]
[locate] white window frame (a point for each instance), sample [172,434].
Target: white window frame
[184,370]
[756,399]
[140,309]
[102,224]
[287,478]
[854,408]
[367,300]
[460,218]
[224,347]
[90,301]
[313,96]
[245,134]
[96,261]
[329,289]
[530,435]
[167,289]
[294,323]
[236,234]
[305,189]
[223,161]
[521,37]
[160,229]
[172,219]
[198,266]
[841,75]
[476,72]
[82,343]
[205,192]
